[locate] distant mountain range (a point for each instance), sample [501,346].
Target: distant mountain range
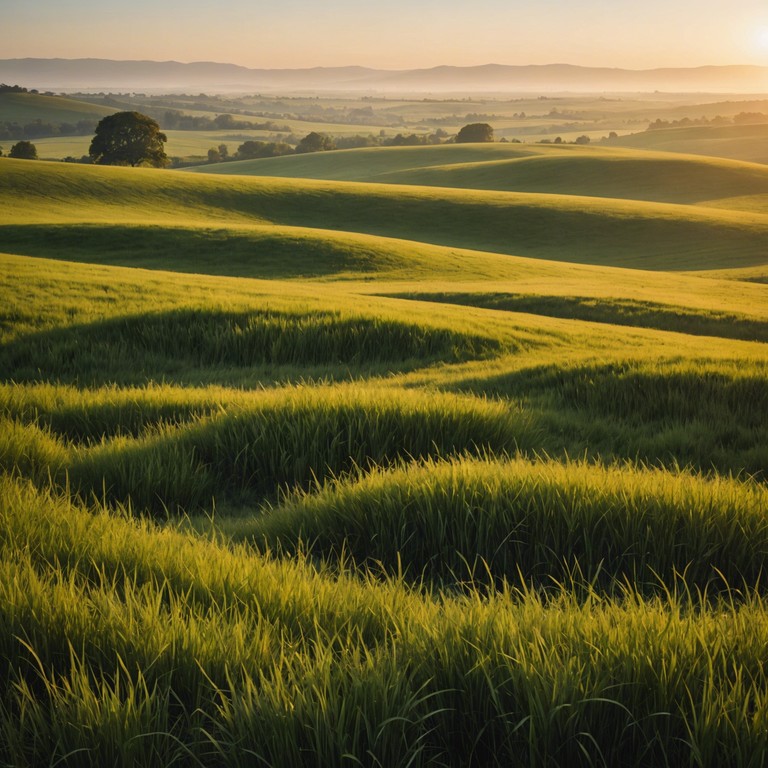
[106,74]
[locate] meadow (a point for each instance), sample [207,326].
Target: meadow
[434,456]
[734,129]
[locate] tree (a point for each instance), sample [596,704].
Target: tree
[214,156]
[250,149]
[23,150]
[315,142]
[582,140]
[225,121]
[128,138]
[253,149]
[475,132]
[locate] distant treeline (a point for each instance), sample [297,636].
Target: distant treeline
[743,118]
[14,89]
[171,120]
[38,129]
[321,142]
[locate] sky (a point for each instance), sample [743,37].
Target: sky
[392,34]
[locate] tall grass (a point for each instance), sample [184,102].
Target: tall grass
[646,314]
[124,643]
[390,572]
[708,414]
[543,522]
[158,344]
[268,441]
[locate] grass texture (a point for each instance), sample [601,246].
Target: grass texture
[463,470]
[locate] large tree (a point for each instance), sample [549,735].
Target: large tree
[23,150]
[475,132]
[315,142]
[128,138]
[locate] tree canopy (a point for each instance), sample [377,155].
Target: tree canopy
[128,138]
[251,149]
[315,142]
[23,150]
[474,132]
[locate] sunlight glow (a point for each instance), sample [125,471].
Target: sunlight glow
[761,39]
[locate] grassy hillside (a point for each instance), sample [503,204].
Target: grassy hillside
[561,227]
[316,472]
[185,144]
[26,107]
[739,142]
[573,170]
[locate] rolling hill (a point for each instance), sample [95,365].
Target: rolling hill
[318,471]
[570,170]
[569,228]
[739,142]
[27,107]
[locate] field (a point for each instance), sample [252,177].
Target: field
[618,120]
[738,142]
[26,107]
[434,456]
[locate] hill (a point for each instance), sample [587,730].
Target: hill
[739,142]
[26,107]
[562,227]
[100,74]
[279,487]
[556,169]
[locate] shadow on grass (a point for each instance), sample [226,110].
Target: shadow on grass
[179,343]
[221,252]
[294,437]
[490,522]
[699,418]
[642,314]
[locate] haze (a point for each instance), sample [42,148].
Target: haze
[397,34]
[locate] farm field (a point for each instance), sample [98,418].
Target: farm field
[601,171]
[618,120]
[738,142]
[424,456]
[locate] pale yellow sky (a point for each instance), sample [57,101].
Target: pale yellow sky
[397,34]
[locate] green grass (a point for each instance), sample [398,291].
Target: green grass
[253,449]
[542,522]
[159,344]
[130,643]
[184,144]
[738,142]
[24,108]
[573,170]
[370,164]
[325,473]
[645,314]
[567,228]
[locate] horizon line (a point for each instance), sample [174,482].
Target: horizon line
[384,69]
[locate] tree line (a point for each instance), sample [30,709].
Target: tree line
[177,121]
[39,129]
[322,142]
[743,118]
[132,138]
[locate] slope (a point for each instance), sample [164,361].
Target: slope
[738,142]
[561,169]
[27,107]
[559,227]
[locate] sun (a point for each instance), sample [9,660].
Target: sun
[761,39]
